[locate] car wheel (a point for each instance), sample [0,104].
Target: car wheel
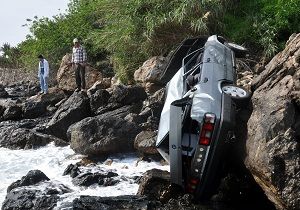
[239,95]
[239,50]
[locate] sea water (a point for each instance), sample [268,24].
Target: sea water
[54,160]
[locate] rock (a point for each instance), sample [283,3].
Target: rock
[32,177]
[98,85]
[12,112]
[88,179]
[76,108]
[15,136]
[127,95]
[272,146]
[33,109]
[155,184]
[151,88]
[66,76]
[108,162]
[151,70]
[153,105]
[98,99]
[29,198]
[108,133]
[72,170]
[3,93]
[145,142]
[109,203]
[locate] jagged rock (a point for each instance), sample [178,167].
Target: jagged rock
[153,105]
[127,95]
[76,108]
[98,98]
[272,146]
[109,203]
[155,184]
[151,70]
[31,178]
[98,85]
[87,179]
[151,88]
[23,194]
[66,75]
[33,109]
[104,134]
[145,142]
[15,136]
[73,170]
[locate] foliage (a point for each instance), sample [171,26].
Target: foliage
[263,24]
[133,30]
[126,33]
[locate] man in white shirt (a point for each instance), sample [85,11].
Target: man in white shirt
[79,59]
[43,74]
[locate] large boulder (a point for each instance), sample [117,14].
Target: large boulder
[107,203]
[151,70]
[76,108]
[31,178]
[17,136]
[36,105]
[26,194]
[272,146]
[145,142]
[66,75]
[108,133]
[126,95]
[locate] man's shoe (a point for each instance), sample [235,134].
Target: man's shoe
[40,93]
[83,90]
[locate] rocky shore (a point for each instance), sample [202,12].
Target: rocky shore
[262,170]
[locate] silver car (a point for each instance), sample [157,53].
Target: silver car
[198,116]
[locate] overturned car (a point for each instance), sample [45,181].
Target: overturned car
[198,116]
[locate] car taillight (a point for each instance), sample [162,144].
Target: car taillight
[192,185]
[207,129]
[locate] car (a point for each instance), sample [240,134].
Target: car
[198,117]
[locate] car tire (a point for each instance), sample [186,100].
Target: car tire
[238,50]
[238,94]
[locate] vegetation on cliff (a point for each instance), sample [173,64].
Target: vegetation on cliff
[125,33]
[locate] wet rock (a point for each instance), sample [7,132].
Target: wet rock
[108,133]
[72,170]
[87,179]
[272,146]
[73,110]
[31,178]
[109,203]
[27,197]
[14,137]
[155,184]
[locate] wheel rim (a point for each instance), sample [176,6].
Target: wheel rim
[234,91]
